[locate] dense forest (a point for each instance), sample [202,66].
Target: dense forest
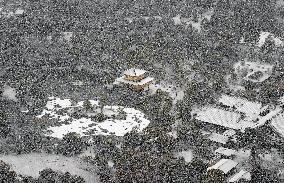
[110,36]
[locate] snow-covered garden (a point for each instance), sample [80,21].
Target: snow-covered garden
[60,109]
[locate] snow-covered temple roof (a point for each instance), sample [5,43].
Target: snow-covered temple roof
[134,72]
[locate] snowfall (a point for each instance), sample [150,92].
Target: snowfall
[84,126]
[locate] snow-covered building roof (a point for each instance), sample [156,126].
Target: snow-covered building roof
[219,117]
[240,175]
[263,37]
[268,116]
[225,151]
[219,138]
[225,165]
[236,113]
[134,72]
[136,83]
[278,124]
[241,105]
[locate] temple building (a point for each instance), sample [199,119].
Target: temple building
[135,79]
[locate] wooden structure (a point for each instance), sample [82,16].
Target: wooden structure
[135,79]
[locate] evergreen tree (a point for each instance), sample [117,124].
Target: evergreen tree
[49,175]
[215,176]
[87,105]
[71,144]
[6,175]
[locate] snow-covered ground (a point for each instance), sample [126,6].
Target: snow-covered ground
[187,155]
[243,158]
[173,134]
[178,20]
[9,93]
[264,35]
[77,83]
[32,164]
[9,13]
[273,159]
[134,119]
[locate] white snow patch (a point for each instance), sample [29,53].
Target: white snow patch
[196,25]
[157,17]
[9,93]
[19,11]
[110,163]
[77,83]
[25,111]
[146,18]
[93,103]
[173,134]
[264,35]
[177,20]
[208,14]
[280,2]
[57,103]
[67,36]
[89,152]
[130,20]
[242,40]
[187,155]
[242,155]
[134,119]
